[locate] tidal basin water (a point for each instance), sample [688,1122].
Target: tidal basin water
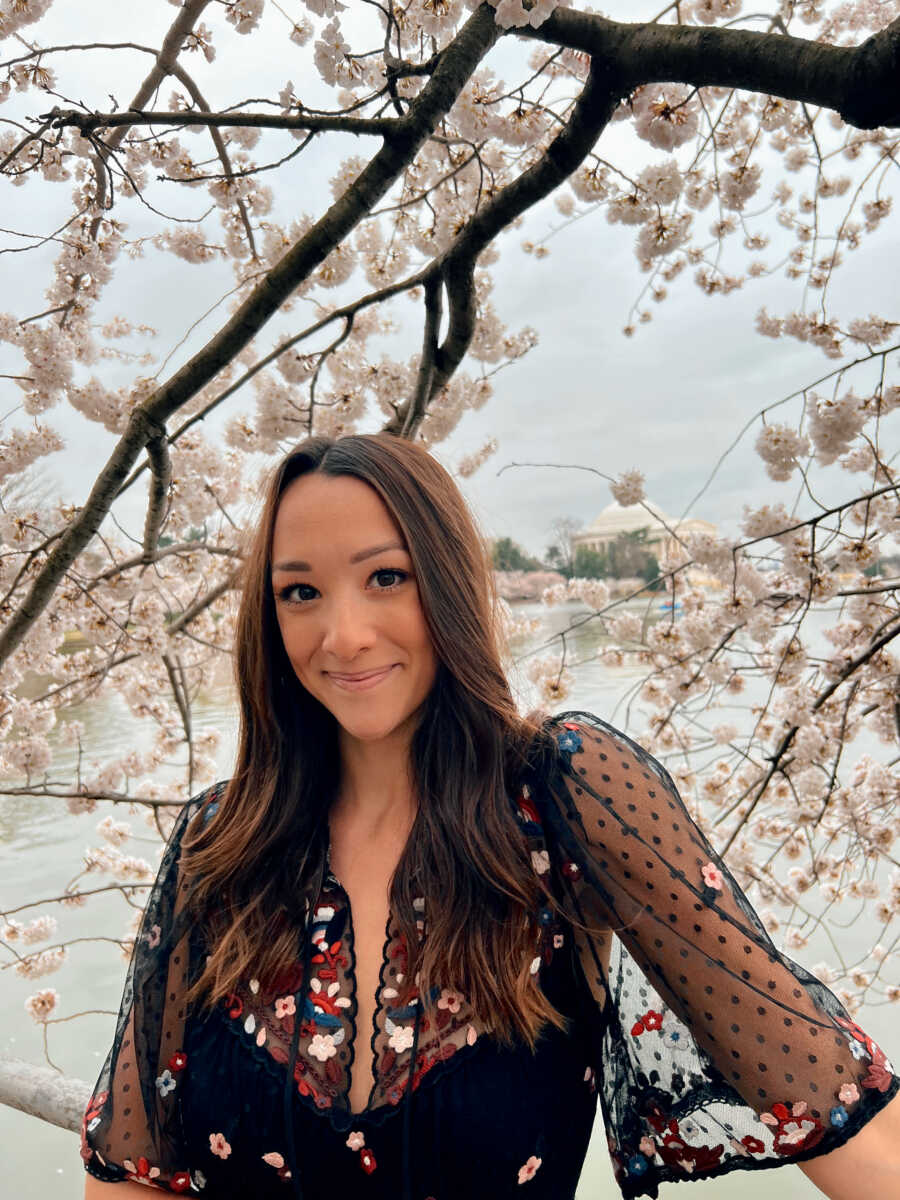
[40,850]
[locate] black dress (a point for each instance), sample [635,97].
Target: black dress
[710,1051]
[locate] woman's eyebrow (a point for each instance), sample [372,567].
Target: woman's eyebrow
[299,565]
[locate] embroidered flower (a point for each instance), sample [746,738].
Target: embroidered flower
[285,1007]
[141,1171]
[795,1130]
[857,1049]
[450,1000]
[649,1022]
[367,1161]
[673,1033]
[322,1046]
[712,876]
[839,1116]
[878,1076]
[569,742]
[166,1083]
[558,941]
[401,1039]
[753,1144]
[178,1061]
[647,1147]
[535,965]
[848,1093]
[529,1170]
[218,1145]
[571,870]
[356,1140]
[540,860]
[637,1164]
[276,1160]
[180,1181]
[153,937]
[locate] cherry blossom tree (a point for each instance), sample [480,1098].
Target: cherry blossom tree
[767,139]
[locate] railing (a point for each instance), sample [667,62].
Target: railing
[42,1092]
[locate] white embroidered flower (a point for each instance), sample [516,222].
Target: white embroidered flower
[540,860]
[450,1000]
[322,1047]
[401,1039]
[166,1083]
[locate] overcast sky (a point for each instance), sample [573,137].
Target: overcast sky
[669,401]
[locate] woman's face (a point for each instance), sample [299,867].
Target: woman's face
[348,605]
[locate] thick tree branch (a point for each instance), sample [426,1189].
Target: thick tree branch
[862,83]
[423,392]
[161,468]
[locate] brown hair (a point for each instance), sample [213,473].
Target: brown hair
[255,862]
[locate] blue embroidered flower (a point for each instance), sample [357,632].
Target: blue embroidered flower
[569,742]
[637,1164]
[545,916]
[839,1116]
[857,1049]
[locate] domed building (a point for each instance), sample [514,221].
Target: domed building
[615,520]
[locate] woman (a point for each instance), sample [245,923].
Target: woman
[378,961]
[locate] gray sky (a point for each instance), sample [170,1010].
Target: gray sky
[669,401]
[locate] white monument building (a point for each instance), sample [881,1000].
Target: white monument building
[615,520]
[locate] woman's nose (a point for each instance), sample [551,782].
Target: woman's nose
[347,630]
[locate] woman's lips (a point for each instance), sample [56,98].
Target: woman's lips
[360,684]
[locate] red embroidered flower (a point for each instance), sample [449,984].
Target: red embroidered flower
[878,1077]
[754,1145]
[141,1171]
[367,1161]
[180,1181]
[234,1004]
[651,1020]
[178,1061]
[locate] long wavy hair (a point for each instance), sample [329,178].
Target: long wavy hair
[255,864]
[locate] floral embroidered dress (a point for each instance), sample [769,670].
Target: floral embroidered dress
[709,1050]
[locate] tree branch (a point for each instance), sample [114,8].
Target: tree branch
[90,122]
[862,83]
[161,468]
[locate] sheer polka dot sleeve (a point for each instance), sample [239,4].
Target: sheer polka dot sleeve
[712,1050]
[132,1128]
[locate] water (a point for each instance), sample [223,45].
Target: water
[40,847]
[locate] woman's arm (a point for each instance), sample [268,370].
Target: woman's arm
[869,1162]
[95,1190]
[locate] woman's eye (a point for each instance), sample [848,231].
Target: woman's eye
[287,593]
[398,575]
